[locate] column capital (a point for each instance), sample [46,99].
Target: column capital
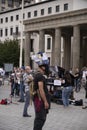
[76,29]
[27,33]
[41,30]
[76,25]
[58,28]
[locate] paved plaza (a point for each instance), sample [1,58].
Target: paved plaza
[59,118]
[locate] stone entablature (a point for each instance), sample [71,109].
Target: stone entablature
[59,20]
[29,14]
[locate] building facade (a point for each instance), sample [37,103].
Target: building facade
[55,26]
[9,4]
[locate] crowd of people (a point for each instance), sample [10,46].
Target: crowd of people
[20,85]
[21,79]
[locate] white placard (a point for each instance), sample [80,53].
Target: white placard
[57,82]
[44,56]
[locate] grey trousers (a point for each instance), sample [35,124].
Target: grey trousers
[27,102]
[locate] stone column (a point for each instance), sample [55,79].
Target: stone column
[6,4]
[76,46]
[57,50]
[81,51]
[27,49]
[67,52]
[41,41]
[0,5]
[84,51]
[53,50]
[64,42]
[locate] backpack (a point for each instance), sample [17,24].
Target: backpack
[79,102]
[4,101]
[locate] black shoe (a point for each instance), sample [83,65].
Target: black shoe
[84,107]
[26,115]
[20,100]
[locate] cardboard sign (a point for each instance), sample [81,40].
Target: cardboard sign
[57,82]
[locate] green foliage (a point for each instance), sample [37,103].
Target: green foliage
[9,52]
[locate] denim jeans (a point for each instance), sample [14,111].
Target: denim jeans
[66,94]
[77,85]
[27,102]
[22,91]
[15,89]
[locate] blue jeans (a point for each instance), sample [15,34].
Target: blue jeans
[66,94]
[27,102]
[22,91]
[15,89]
[77,85]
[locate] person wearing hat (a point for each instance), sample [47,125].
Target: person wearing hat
[41,99]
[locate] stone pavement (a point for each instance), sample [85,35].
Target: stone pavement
[59,118]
